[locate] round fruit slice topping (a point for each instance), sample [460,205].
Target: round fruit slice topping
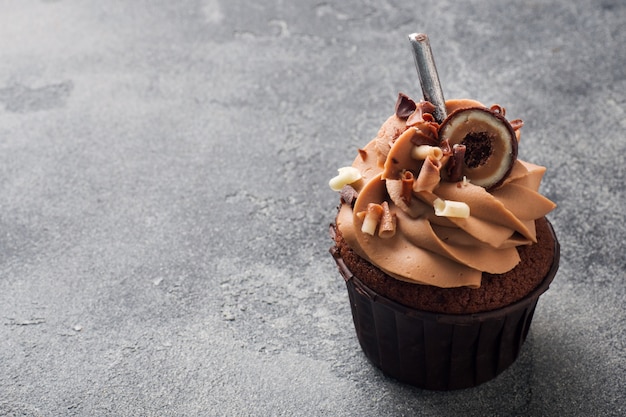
[489,141]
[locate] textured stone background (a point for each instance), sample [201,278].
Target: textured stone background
[164,201]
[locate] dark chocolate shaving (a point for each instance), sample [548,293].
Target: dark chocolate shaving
[423,112]
[348,195]
[455,164]
[404,106]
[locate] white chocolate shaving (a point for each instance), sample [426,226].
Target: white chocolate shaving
[371,218]
[347,175]
[448,208]
[424,151]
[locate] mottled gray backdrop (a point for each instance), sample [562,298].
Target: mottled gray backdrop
[164,202]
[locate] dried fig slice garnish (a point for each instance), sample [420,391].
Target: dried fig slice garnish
[490,144]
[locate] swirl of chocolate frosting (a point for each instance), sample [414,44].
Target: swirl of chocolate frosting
[428,248]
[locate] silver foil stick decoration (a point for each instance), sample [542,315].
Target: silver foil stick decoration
[427,72]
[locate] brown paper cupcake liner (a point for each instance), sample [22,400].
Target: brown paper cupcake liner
[440,351]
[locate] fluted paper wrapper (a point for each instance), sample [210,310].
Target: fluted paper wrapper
[440,351]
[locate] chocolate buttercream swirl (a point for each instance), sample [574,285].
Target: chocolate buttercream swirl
[427,248]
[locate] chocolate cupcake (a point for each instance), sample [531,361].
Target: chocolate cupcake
[442,240]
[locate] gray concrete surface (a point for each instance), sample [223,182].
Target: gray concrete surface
[164,201]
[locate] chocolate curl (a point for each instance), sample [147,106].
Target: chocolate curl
[407,187]
[455,165]
[429,177]
[423,112]
[387,227]
[496,108]
[517,124]
[426,129]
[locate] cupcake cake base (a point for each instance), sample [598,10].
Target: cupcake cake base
[423,345]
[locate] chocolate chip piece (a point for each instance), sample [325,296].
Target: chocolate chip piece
[404,106]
